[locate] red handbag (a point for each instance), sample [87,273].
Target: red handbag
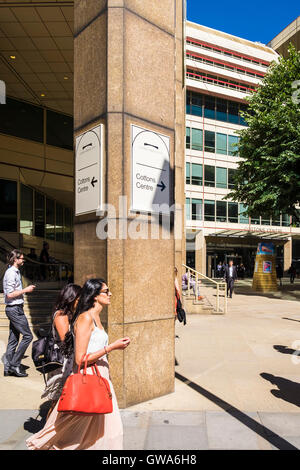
[86,393]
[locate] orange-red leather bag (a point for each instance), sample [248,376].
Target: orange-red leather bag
[85,393]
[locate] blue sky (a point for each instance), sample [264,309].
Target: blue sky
[254,20]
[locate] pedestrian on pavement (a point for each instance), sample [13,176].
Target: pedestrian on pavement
[177,290]
[241,271]
[64,309]
[188,280]
[18,323]
[230,277]
[219,269]
[68,431]
[292,272]
[279,273]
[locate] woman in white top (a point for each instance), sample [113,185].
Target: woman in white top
[65,431]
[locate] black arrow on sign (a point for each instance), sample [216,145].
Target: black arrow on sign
[94,181]
[162,186]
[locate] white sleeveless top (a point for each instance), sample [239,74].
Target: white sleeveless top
[98,340]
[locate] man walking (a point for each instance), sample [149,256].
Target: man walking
[230,277]
[14,300]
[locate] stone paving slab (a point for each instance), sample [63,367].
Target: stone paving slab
[177,430]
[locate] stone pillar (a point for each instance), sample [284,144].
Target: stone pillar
[200,252]
[129,70]
[287,255]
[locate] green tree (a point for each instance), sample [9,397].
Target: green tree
[268,177]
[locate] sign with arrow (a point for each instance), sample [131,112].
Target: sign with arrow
[88,171]
[150,178]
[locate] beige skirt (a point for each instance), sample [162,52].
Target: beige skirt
[65,431]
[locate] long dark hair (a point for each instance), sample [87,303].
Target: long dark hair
[89,291]
[66,300]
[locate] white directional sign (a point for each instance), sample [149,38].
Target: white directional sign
[150,180]
[88,181]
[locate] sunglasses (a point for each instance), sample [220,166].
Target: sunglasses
[106,291]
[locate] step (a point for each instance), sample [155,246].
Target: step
[198,307]
[38,308]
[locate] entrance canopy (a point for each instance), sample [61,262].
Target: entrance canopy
[251,234]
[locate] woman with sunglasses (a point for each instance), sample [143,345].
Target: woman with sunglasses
[65,431]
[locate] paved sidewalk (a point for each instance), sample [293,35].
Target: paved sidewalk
[236,386]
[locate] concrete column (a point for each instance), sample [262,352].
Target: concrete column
[287,255]
[129,70]
[200,253]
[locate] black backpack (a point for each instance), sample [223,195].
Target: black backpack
[46,353]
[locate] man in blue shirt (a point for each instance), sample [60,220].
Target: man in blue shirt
[14,300]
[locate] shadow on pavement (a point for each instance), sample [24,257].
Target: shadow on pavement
[292,291]
[284,349]
[270,436]
[34,425]
[292,319]
[288,390]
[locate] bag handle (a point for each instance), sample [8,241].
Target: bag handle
[85,364]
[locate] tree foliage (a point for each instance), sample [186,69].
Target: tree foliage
[267,180]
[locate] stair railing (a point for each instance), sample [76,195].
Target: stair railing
[33,270]
[194,280]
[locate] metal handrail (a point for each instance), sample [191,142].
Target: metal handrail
[217,284]
[57,264]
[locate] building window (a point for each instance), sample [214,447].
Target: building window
[221,211]
[197,209]
[197,139]
[68,228]
[188,138]
[276,219]
[209,110]
[215,108]
[221,144]
[286,220]
[221,110]
[22,120]
[197,174]
[188,173]
[210,141]
[59,231]
[232,144]
[255,219]
[188,209]
[265,220]
[26,213]
[50,219]
[233,112]
[221,177]
[231,177]
[244,219]
[9,205]
[209,210]
[209,176]
[59,130]
[233,212]
[39,215]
